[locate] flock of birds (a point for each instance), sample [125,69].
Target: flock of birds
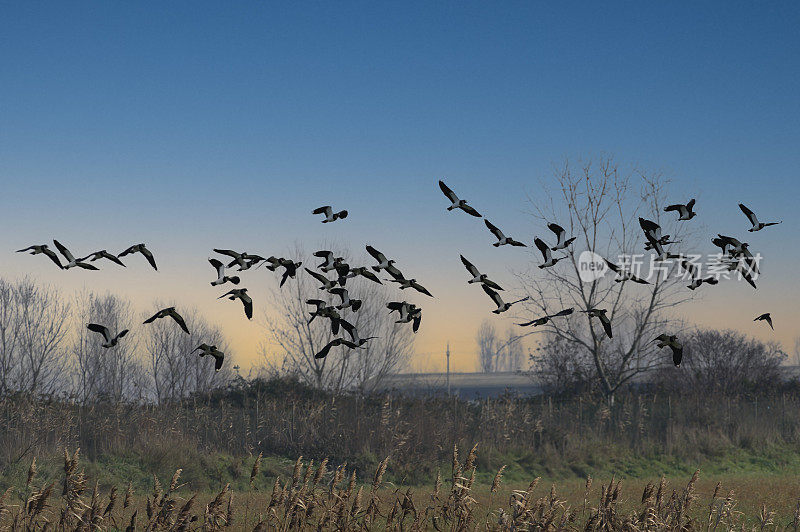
[737,257]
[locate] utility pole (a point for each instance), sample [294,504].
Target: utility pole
[448,369]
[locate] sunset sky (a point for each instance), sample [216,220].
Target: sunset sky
[193,125]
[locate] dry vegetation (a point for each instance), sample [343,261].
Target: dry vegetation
[314,497]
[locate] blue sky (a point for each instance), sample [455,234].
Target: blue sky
[190,125]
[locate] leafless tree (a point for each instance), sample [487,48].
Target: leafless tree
[297,341]
[797,351]
[174,371]
[487,341]
[33,328]
[725,362]
[600,205]
[114,374]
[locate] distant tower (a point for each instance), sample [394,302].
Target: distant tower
[448,369]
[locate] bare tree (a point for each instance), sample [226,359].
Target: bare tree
[33,327]
[726,362]
[600,205]
[174,371]
[113,374]
[297,341]
[487,341]
[797,351]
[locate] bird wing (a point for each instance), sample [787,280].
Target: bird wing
[559,232]
[247,301]
[100,329]
[674,208]
[369,275]
[130,250]
[470,210]
[470,267]
[396,273]
[111,257]
[339,291]
[217,266]
[421,289]
[447,192]
[149,257]
[318,276]
[122,333]
[325,209]
[565,312]
[690,204]
[544,248]
[492,284]
[768,318]
[325,350]
[26,249]
[612,266]
[350,329]
[677,354]
[750,214]
[417,321]
[50,253]
[86,266]
[324,254]
[606,324]
[219,358]
[494,295]
[395,305]
[179,320]
[377,255]
[232,292]
[64,251]
[689,267]
[153,318]
[493,228]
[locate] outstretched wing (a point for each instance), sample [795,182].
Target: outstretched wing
[325,209]
[447,192]
[565,312]
[64,251]
[100,329]
[750,214]
[494,295]
[544,248]
[606,324]
[318,276]
[350,329]
[470,267]
[493,228]
[377,255]
[153,318]
[471,211]
[150,258]
[325,350]
[179,320]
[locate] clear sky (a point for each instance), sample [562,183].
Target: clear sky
[191,125]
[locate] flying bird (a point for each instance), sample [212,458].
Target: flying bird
[330,216]
[102,254]
[321,309]
[219,356]
[72,262]
[363,271]
[457,203]
[351,330]
[290,269]
[694,274]
[326,283]
[410,283]
[685,211]
[766,317]
[501,238]
[344,295]
[408,313]
[501,305]
[549,260]
[671,341]
[172,313]
[600,313]
[43,250]
[238,258]
[110,341]
[221,277]
[561,234]
[751,216]
[333,343]
[241,294]
[141,248]
[383,262]
[330,260]
[624,275]
[477,276]
[544,319]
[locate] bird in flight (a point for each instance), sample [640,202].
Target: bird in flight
[549,260]
[696,279]
[456,203]
[141,248]
[363,271]
[172,313]
[221,277]
[102,254]
[751,216]
[241,295]
[326,283]
[410,283]
[502,306]
[561,235]
[600,313]
[624,275]
[330,261]
[330,216]
[43,250]
[205,349]
[766,317]
[671,341]
[408,313]
[477,276]
[333,343]
[321,310]
[351,330]
[685,211]
[544,319]
[290,269]
[110,341]
[501,238]
[72,262]
[344,295]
